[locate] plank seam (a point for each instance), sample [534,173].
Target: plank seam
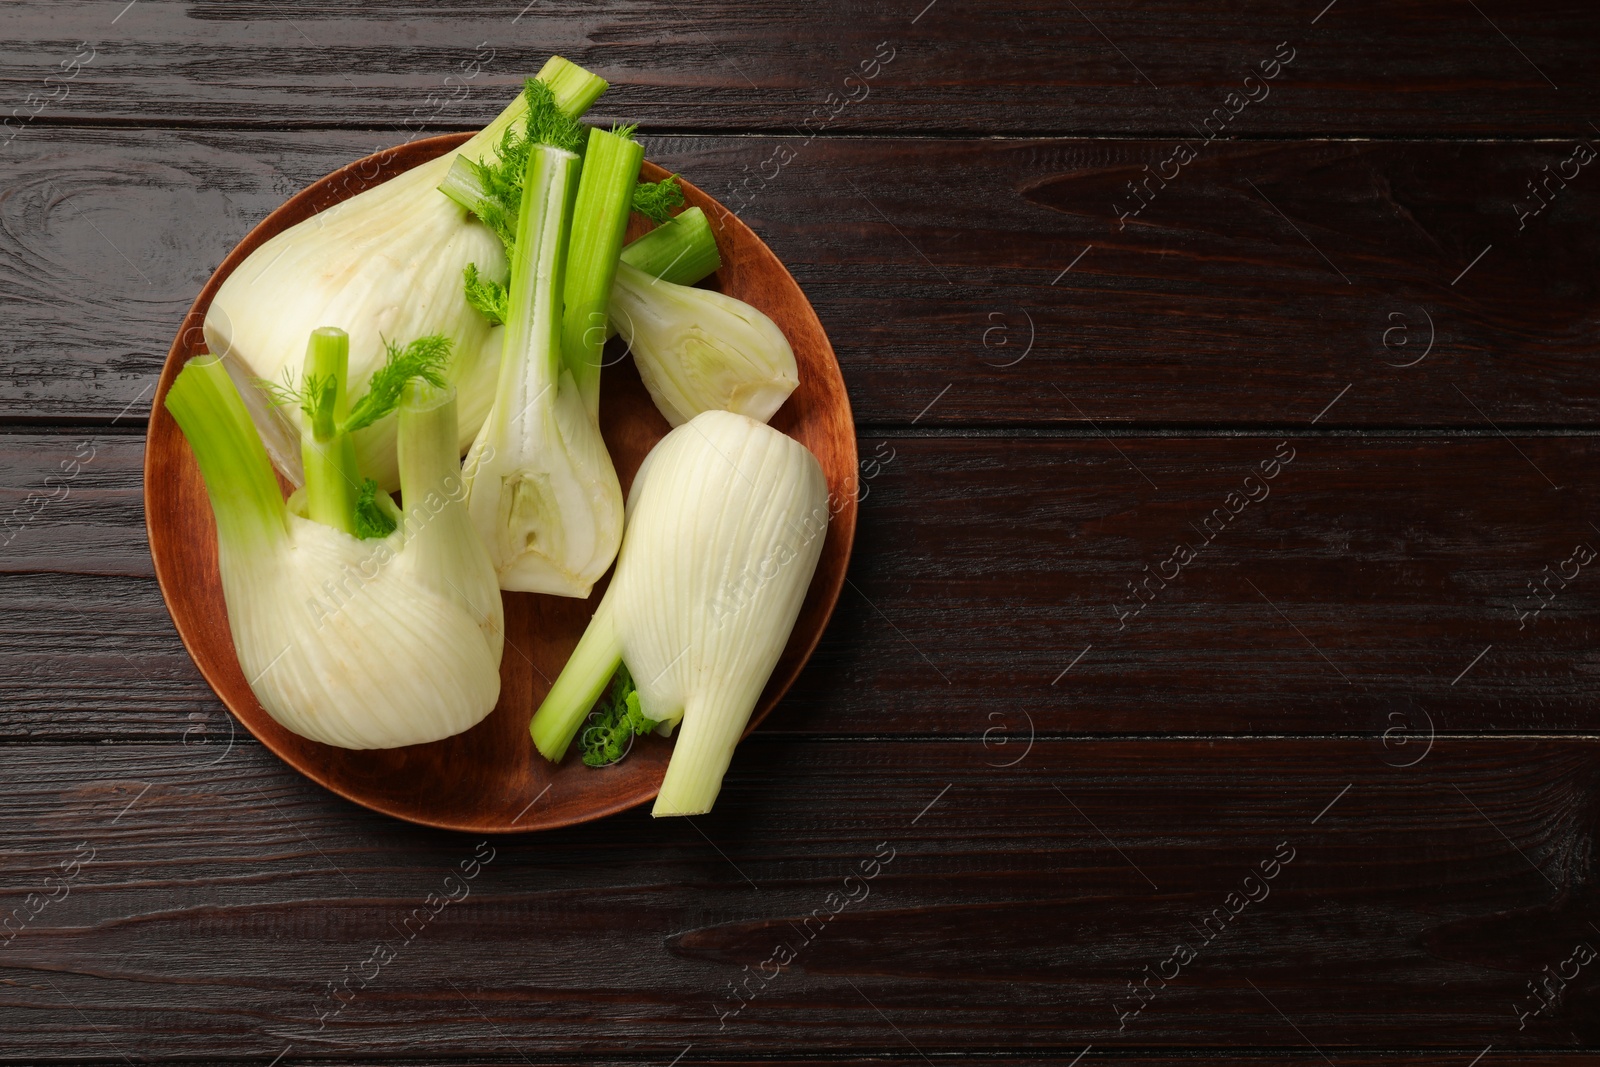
[866,133]
[782,737]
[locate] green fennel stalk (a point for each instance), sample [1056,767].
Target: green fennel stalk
[574,88]
[604,200]
[333,483]
[249,508]
[578,686]
[682,250]
[538,265]
[335,493]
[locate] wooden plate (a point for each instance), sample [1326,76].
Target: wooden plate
[490,779]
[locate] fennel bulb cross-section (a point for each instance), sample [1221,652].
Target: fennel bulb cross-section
[372,643]
[726,522]
[542,489]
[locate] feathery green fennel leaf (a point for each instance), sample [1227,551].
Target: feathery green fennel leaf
[425,358]
[283,393]
[487,295]
[545,123]
[501,182]
[371,520]
[616,722]
[657,200]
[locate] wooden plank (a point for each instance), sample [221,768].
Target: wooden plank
[1420,66]
[1010,909]
[1261,1057]
[962,282]
[990,592]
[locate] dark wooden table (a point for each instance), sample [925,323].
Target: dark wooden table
[1218,672]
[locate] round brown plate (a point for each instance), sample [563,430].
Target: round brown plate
[490,779]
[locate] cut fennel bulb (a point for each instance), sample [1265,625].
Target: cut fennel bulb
[356,643]
[542,490]
[699,350]
[386,264]
[726,522]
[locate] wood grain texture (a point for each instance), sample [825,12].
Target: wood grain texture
[1429,66]
[1080,1058]
[1000,561]
[1014,908]
[937,264]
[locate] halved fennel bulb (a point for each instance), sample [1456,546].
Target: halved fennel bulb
[542,490]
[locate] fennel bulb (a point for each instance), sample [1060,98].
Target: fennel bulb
[542,490]
[358,643]
[385,264]
[726,522]
[699,350]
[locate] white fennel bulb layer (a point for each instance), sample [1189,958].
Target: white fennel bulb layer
[357,661]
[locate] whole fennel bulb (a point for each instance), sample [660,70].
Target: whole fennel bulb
[386,264]
[726,522]
[356,643]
